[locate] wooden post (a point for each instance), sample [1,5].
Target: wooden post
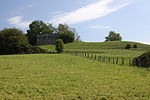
[109,59]
[117,60]
[122,60]
[95,57]
[113,60]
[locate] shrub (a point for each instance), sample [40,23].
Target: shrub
[59,46]
[128,46]
[36,49]
[13,41]
[142,61]
[135,46]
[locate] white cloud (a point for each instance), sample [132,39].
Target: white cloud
[100,27]
[18,21]
[87,13]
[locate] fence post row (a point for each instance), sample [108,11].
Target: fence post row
[111,60]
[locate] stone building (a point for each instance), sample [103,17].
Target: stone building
[46,39]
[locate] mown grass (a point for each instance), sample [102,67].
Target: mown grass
[115,48]
[67,77]
[100,46]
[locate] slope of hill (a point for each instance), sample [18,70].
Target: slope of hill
[100,45]
[115,48]
[67,77]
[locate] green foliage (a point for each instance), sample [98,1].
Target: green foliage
[36,49]
[113,36]
[67,77]
[143,60]
[128,46]
[36,28]
[135,46]
[59,46]
[13,41]
[66,33]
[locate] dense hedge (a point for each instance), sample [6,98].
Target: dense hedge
[142,61]
[36,49]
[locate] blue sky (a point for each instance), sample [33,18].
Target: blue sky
[93,19]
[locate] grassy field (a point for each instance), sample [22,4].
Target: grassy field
[67,77]
[100,46]
[115,48]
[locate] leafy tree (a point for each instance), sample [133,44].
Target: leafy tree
[113,36]
[13,41]
[142,61]
[128,46]
[59,46]
[66,33]
[36,28]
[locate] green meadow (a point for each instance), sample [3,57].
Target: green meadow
[70,77]
[100,46]
[115,48]
[67,77]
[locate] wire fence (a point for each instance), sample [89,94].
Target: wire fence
[102,58]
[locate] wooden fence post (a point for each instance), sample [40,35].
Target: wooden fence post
[122,59]
[91,56]
[117,60]
[113,60]
[109,59]
[130,62]
[95,57]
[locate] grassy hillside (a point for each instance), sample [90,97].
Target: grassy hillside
[66,77]
[100,45]
[115,48]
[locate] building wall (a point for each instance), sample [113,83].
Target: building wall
[46,39]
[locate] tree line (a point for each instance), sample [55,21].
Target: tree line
[63,31]
[14,41]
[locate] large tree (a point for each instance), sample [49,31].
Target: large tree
[13,41]
[36,28]
[66,33]
[113,36]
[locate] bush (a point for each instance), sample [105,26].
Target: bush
[36,49]
[142,61]
[59,46]
[13,41]
[128,46]
[135,46]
